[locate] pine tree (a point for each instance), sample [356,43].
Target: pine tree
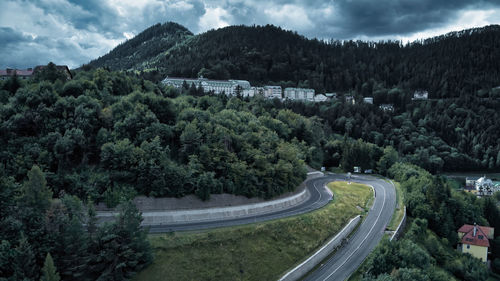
[49,271]
[122,247]
[35,192]
[24,263]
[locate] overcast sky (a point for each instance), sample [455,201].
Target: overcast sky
[73,32]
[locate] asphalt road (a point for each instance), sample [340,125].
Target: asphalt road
[341,265]
[319,198]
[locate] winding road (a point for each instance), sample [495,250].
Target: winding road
[319,197]
[341,265]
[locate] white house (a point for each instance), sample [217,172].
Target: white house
[386,107]
[420,95]
[320,98]
[332,96]
[484,186]
[368,100]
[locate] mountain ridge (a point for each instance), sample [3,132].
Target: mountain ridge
[447,65]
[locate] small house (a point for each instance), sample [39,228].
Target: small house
[368,100]
[420,95]
[350,99]
[332,96]
[387,107]
[320,98]
[474,240]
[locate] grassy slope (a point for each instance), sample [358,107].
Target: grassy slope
[399,212]
[261,251]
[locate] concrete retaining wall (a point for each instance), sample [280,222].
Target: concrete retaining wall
[303,268]
[400,228]
[212,214]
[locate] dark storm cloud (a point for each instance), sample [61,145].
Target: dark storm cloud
[73,31]
[387,17]
[9,36]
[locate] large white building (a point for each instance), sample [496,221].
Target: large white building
[299,94]
[484,186]
[228,87]
[253,91]
[272,92]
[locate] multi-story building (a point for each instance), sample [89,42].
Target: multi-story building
[272,92]
[28,73]
[253,91]
[228,87]
[20,73]
[474,240]
[299,94]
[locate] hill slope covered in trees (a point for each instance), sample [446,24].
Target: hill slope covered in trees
[458,63]
[143,47]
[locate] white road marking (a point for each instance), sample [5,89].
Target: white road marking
[371,229]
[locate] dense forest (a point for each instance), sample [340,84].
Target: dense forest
[106,135]
[447,135]
[451,65]
[48,236]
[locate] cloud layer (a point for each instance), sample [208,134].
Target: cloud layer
[74,32]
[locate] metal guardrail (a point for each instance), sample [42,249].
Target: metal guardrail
[400,228]
[302,269]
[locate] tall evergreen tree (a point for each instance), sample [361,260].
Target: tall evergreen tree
[24,262]
[35,193]
[49,271]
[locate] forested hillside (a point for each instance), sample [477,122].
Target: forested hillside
[143,47]
[458,63]
[447,135]
[105,135]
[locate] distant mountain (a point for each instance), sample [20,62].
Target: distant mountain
[142,48]
[447,66]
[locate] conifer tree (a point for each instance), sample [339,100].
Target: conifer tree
[24,263]
[49,271]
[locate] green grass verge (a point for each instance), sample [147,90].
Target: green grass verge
[399,212]
[262,251]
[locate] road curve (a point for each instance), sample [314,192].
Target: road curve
[319,198]
[341,265]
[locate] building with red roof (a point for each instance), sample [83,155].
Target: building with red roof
[474,240]
[21,73]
